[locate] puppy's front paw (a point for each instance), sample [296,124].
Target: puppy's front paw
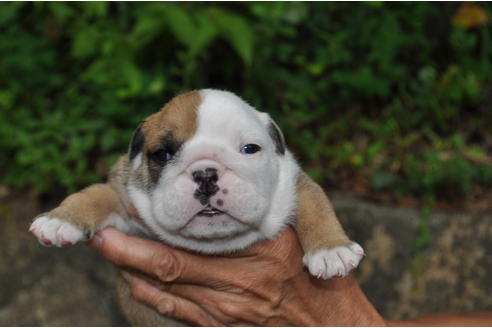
[53,231]
[334,262]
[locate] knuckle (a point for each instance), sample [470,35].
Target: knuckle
[165,306]
[275,299]
[158,300]
[266,312]
[166,266]
[231,309]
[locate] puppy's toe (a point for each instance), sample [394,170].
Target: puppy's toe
[334,262]
[55,232]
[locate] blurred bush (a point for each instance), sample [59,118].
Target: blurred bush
[394,96]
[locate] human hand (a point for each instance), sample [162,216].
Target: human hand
[264,285]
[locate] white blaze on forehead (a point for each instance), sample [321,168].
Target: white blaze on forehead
[223,114]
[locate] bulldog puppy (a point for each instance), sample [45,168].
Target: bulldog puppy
[211,174]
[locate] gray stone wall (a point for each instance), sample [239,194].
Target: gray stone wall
[451,274]
[73,286]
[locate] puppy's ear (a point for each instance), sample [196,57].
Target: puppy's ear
[137,142]
[277,137]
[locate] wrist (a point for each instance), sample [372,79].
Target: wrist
[337,302]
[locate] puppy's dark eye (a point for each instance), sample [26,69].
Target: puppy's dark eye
[161,156]
[250,149]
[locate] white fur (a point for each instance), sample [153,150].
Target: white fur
[132,227]
[55,231]
[261,187]
[52,231]
[334,262]
[137,161]
[285,198]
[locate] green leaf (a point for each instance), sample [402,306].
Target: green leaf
[61,10]
[363,80]
[149,23]
[237,31]
[205,33]
[181,24]
[9,11]
[85,42]
[95,8]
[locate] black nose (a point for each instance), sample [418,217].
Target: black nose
[207,176]
[207,184]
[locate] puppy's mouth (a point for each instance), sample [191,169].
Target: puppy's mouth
[210,211]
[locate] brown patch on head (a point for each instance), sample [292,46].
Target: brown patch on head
[178,118]
[161,136]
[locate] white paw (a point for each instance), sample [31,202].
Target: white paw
[52,231]
[334,262]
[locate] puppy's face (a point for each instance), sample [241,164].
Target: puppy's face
[206,170]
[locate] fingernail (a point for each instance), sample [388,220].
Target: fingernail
[96,241]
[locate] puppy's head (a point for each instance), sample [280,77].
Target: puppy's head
[210,173]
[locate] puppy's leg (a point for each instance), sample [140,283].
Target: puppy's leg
[79,216]
[328,251]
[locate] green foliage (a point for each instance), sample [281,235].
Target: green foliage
[395,93]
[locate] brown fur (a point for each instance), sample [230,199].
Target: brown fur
[118,180]
[316,223]
[90,207]
[178,116]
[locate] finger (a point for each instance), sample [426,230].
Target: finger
[168,304]
[161,261]
[164,286]
[225,307]
[194,293]
[230,307]
[220,304]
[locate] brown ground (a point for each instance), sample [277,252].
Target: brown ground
[50,286]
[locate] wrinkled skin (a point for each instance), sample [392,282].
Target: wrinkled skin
[265,285]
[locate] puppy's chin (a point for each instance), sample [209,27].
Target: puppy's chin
[221,226]
[210,235]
